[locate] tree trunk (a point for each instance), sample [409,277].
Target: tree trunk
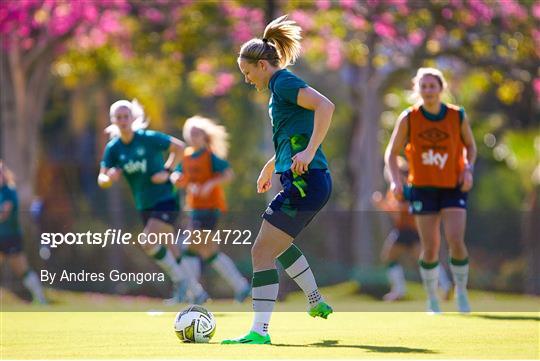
[365,164]
[24,93]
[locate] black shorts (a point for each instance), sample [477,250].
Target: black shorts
[407,237]
[166,211]
[301,199]
[432,200]
[204,219]
[11,244]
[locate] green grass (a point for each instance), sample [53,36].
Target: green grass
[345,335]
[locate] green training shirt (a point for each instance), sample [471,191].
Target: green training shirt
[292,125]
[139,160]
[10,226]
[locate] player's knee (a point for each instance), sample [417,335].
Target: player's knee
[259,254]
[430,254]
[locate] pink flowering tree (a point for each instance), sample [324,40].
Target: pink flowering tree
[375,43]
[33,33]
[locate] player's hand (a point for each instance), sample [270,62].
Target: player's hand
[376,197]
[160,177]
[397,189]
[206,188]
[114,174]
[178,179]
[264,182]
[466,180]
[194,188]
[301,161]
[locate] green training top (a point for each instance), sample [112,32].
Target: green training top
[139,160]
[10,226]
[292,125]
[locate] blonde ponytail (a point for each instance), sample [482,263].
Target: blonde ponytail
[280,44]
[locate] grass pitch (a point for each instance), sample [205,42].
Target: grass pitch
[30,334]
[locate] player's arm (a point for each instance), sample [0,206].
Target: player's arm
[5,210]
[466,177]
[394,148]
[264,182]
[107,176]
[108,172]
[176,153]
[311,99]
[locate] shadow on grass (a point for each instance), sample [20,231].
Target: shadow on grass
[509,318]
[379,349]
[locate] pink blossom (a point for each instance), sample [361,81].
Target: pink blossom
[153,15]
[334,57]
[447,13]
[373,3]
[347,4]
[481,10]
[241,32]
[224,83]
[27,43]
[384,30]
[387,18]
[513,9]
[90,13]
[169,34]
[204,66]
[256,16]
[97,37]
[397,2]
[535,10]
[176,56]
[323,4]
[536,87]
[109,22]
[416,37]
[356,22]
[303,19]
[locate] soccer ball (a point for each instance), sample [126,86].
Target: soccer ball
[195,324]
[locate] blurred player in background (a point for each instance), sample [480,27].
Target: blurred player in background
[441,152]
[137,154]
[202,173]
[300,118]
[402,239]
[11,236]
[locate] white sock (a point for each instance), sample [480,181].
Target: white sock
[396,277]
[165,259]
[32,283]
[226,269]
[461,276]
[444,280]
[177,272]
[193,263]
[430,279]
[297,267]
[265,291]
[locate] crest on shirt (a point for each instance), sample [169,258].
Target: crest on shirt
[433,135]
[140,151]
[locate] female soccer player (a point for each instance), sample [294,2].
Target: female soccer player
[441,151]
[11,236]
[138,155]
[403,238]
[202,172]
[300,119]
